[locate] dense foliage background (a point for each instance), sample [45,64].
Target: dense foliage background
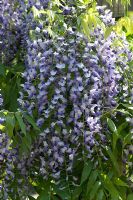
[66,118]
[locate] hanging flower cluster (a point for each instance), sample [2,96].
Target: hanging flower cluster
[8,157]
[69,83]
[10,30]
[7,161]
[16,20]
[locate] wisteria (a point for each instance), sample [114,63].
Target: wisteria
[69,83]
[7,160]
[10,30]
[8,157]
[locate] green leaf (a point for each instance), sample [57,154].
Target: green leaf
[10,123]
[44,196]
[110,187]
[119,182]
[62,189]
[86,172]
[129,106]
[121,127]
[123,192]
[127,139]
[113,159]
[76,193]
[131,63]
[111,125]
[2,127]
[114,130]
[100,195]
[91,181]
[31,121]
[115,138]
[20,121]
[26,142]
[94,190]
[63,194]
[2,70]
[130,197]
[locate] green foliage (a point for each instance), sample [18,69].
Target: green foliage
[21,122]
[126,24]
[86,172]
[10,80]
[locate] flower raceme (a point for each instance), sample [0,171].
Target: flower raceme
[69,83]
[10,30]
